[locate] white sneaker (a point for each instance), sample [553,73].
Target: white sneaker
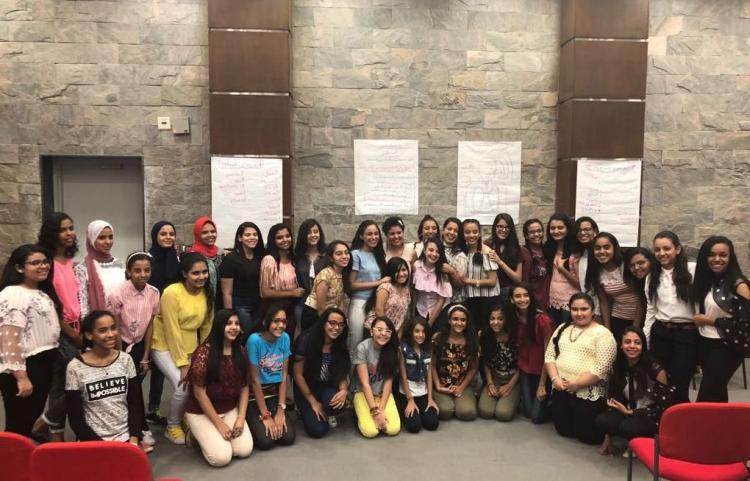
[148,437]
[332,422]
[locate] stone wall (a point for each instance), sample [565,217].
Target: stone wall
[90,78]
[438,71]
[697,159]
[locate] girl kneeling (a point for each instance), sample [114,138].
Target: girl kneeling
[102,391]
[499,399]
[219,392]
[376,361]
[415,403]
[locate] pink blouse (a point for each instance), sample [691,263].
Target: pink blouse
[427,288]
[65,283]
[560,290]
[281,276]
[396,306]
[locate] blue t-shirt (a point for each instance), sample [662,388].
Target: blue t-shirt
[367,269]
[269,357]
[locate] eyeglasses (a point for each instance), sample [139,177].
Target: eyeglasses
[39,262]
[383,330]
[336,325]
[587,230]
[502,227]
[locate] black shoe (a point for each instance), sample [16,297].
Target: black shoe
[156,418]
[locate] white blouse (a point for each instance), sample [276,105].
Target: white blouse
[28,325]
[667,306]
[112,275]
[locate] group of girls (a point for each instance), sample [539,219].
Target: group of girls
[572,327]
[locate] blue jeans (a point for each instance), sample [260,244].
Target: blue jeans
[531,407]
[314,427]
[247,311]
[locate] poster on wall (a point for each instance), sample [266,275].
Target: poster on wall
[386,177]
[245,189]
[609,191]
[489,180]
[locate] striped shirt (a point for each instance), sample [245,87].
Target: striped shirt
[624,300]
[136,310]
[480,272]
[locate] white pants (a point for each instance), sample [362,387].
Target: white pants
[217,450]
[166,365]
[357,318]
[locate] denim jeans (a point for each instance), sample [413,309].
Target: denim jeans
[531,407]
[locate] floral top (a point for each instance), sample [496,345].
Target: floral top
[396,306]
[538,276]
[504,364]
[560,289]
[28,325]
[224,393]
[335,297]
[458,261]
[452,364]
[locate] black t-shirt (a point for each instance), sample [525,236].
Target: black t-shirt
[245,273]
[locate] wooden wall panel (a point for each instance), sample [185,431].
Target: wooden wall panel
[249,61]
[604,19]
[601,129]
[599,69]
[262,14]
[565,189]
[250,124]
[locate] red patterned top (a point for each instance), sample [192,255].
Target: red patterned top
[225,393]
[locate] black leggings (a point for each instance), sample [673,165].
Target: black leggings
[21,412]
[677,350]
[576,418]
[424,418]
[719,362]
[615,423]
[261,440]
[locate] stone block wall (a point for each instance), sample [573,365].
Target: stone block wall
[697,159]
[438,71]
[90,78]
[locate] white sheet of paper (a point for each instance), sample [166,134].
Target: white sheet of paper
[245,189]
[489,180]
[609,191]
[386,177]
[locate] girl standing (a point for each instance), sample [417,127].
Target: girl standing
[428,227]
[721,292]
[538,275]
[269,352]
[619,303]
[638,262]
[506,251]
[669,326]
[499,349]
[586,229]
[376,364]
[321,372]
[578,361]
[368,265]
[101,387]
[562,262]
[534,332]
[393,228]
[638,392]
[309,259]
[456,357]
[240,276]
[278,277]
[29,331]
[184,320]
[219,393]
[58,237]
[414,399]
[392,299]
[134,306]
[453,241]
[99,274]
[331,286]
[481,289]
[166,265]
[432,288]
[204,242]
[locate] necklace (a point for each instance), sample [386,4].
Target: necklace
[570,334]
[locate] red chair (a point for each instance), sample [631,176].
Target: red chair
[15,456]
[90,461]
[697,442]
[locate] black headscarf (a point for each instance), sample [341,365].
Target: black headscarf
[166,267]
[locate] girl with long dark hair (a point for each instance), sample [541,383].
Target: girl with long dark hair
[538,275]
[393,230]
[432,288]
[392,299]
[240,276]
[669,325]
[309,259]
[500,396]
[414,399]
[638,262]
[453,241]
[428,227]
[331,286]
[219,392]
[560,252]
[29,332]
[321,372]
[481,289]
[506,251]
[721,292]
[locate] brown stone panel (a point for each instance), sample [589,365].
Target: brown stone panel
[598,129]
[603,69]
[604,19]
[249,61]
[263,14]
[250,124]
[565,190]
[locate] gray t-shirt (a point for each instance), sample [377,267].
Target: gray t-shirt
[367,354]
[104,391]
